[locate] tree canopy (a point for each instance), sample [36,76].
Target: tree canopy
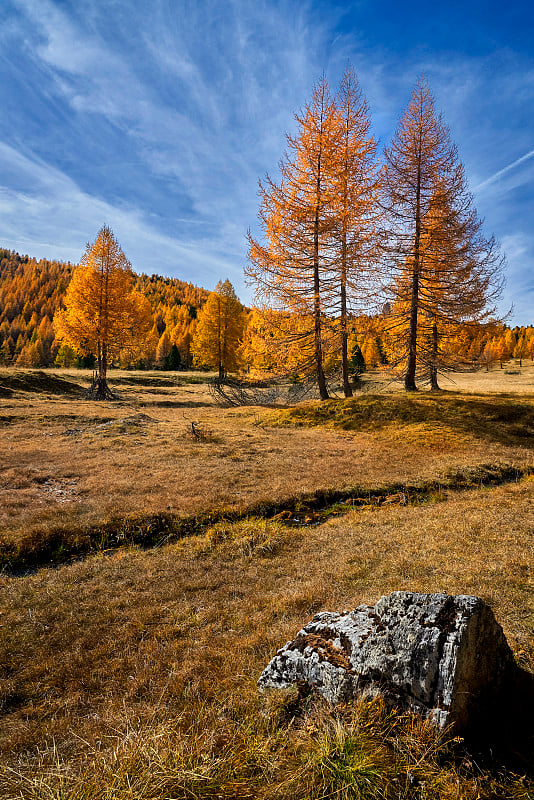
[32,292]
[343,238]
[289,268]
[445,271]
[319,229]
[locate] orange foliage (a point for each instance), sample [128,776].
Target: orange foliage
[104,314]
[219,330]
[319,227]
[446,272]
[31,293]
[288,268]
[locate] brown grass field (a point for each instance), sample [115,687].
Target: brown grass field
[131,673]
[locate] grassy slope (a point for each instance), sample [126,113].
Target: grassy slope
[132,674]
[505,418]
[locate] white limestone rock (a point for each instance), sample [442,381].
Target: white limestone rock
[443,655]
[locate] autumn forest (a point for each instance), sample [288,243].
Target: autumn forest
[31,292]
[363,264]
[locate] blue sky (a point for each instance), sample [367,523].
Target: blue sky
[158,117]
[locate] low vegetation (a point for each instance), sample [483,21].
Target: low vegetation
[131,673]
[507,418]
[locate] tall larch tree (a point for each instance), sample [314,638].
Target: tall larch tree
[461,279]
[291,269]
[163,349]
[219,330]
[445,269]
[420,157]
[355,212]
[104,314]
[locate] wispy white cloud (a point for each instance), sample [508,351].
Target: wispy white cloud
[503,171]
[204,100]
[59,218]
[160,119]
[207,116]
[519,291]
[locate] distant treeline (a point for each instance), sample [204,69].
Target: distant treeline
[32,291]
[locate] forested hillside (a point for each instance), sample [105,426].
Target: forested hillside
[32,291]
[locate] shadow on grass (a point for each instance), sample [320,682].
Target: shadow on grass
[147,381]
[503,736]
[39,382]
[173,403]
[517,734]
[507,419]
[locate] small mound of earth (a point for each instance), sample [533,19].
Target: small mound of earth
[130,424]
[37,381]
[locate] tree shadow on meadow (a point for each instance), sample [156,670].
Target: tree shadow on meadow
[506,419]
[147,403]
[39,382]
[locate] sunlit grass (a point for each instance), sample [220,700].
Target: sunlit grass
[447,418]
[85,463]
[142,666]
[131,675]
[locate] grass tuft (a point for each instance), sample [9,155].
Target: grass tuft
[339,761]
[250,537]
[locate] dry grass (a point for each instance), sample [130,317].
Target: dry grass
[146,662]
[132,674]
[82,462]
[440,420]
[510,378]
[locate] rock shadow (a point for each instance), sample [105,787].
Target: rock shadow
[502,733]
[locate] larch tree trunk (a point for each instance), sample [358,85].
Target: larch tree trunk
[321,381]
[434,358]
[347,389]
[409,378]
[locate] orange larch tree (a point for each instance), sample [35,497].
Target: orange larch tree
[356,191]
[219,331]
[446,272]
[420,155]
[291,269]
[461,279]
[104,314]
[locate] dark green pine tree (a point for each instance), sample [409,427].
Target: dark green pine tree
[356,364]
[173,361]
